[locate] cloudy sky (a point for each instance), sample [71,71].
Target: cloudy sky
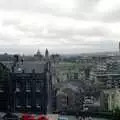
[62,26]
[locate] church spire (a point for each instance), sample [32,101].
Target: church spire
[46,54]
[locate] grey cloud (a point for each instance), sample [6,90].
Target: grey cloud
[93,38]
[68,33]
[95,31]
[113,16]
[65,33]
[55,35]
[82,10]
[8,38]
[7,22]
[29,28]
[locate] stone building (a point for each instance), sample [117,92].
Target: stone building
[107,75]
[4,77]
[67,71]
[61,101]
[38,56]
[70,98]
[30,85]
[110,99]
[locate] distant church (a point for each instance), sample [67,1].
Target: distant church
[29,85]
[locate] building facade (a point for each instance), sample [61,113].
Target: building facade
[4,77]
[29,85]
[69,99]
[110,99]
[28,92]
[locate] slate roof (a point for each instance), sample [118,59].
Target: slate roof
[27,66]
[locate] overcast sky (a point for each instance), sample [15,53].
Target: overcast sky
[62,26]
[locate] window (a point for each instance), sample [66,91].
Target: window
[38,85]
[18,86]
[76,76]
[1,88]
[28,100]
[38,101]
[18,101]
[28,85]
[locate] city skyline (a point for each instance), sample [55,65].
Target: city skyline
[65,27]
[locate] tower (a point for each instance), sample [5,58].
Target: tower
[119,47]
[38,52]
[49,81]
[38,56]
[46,55]
[47,61]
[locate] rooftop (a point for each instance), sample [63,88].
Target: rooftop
[26,66]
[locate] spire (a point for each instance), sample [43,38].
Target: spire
[47,60]
[46,54]
[119,47]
